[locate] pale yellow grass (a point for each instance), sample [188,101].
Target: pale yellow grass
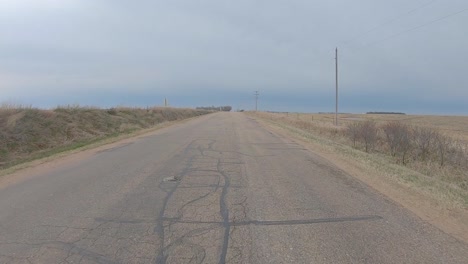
[453,126]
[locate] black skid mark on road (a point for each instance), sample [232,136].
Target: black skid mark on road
[309,221]
[180,210]
[180,241]
[254,222]
[159,228]
[224,212]
[200,155]
[204,148]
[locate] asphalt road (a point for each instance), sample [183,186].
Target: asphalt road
[217,189]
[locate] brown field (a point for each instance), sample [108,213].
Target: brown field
[454,126]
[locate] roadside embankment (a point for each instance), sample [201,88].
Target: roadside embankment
[28,133]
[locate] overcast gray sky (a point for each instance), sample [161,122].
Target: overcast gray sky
[216,52]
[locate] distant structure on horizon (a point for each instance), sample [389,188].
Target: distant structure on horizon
[226,108]
[385,113]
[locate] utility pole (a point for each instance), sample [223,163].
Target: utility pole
[256,100]
[165,102]
[336,101]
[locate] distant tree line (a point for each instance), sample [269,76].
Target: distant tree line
[385,113]
[225,108]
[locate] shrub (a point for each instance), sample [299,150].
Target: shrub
[423,138]
[368,134]
[352,131]
[456,154]
[398,138]
[443,144]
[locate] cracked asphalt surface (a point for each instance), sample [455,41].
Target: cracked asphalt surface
[239,194]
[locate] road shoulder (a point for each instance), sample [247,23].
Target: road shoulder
[451,220]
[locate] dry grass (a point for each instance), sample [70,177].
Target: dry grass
[28,133]
[420,169]
[455,126]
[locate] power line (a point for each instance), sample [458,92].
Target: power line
[256,100]
[389,21]
[417,27]
[336,76]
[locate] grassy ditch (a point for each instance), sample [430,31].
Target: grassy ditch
[437,168]
[28,133]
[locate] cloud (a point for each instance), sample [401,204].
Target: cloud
[210,48]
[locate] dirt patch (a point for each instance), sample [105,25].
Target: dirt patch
[450,219]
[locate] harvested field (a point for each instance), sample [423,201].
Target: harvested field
[454,126]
